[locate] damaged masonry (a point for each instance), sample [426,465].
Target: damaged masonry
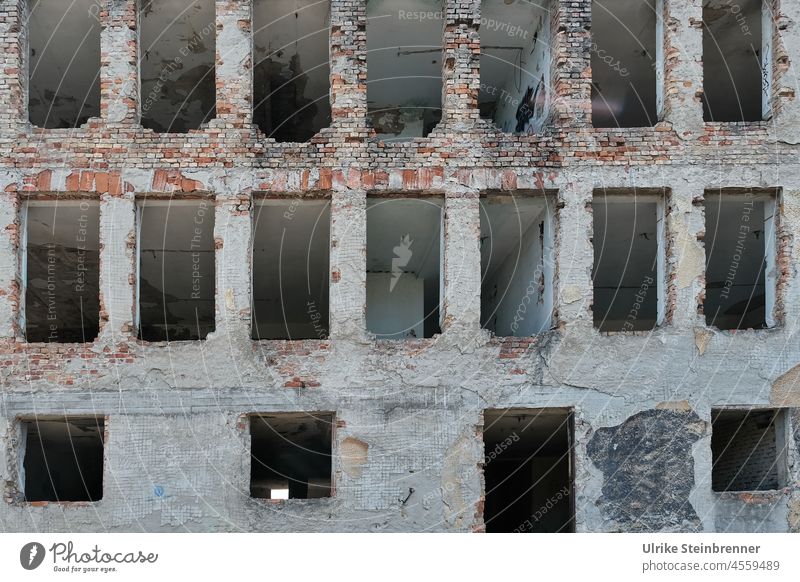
[399,265]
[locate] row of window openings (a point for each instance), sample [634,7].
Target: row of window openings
[404,75]
[291,261]
[528,460]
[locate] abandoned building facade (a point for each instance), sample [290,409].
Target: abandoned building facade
[399,265]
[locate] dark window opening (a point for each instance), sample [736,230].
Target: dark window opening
[403,267]
[626,244]
[292,73]
[732,62]
[291,264]
[624,63]
[515,90]
[516,264]
[61,267]
[739,286]
[176,270]
[748,450]
[177,44]
[528,471]
[62,459]
[404,68]
[64,72]
[291,455]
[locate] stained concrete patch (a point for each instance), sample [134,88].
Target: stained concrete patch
[354,456]
[701,339]
[794,513]
[648,470]
[786,389]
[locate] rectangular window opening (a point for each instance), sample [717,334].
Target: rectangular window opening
[177,45]
[61,270]
[292,73]
[748,449]
[176,281]
[403,266]
[291,265]
[734,78]
[628,271]
[516,264]
[404,68]
[624,63]
[528,471]
[62,458]
[740,260]
[515,87]
[291,455]
[64,70]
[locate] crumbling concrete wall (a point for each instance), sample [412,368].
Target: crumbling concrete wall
[177,454]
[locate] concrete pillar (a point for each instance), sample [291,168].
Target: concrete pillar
[348,281]
[685,223]
[233,226]
[234,62]
[117,267]
[461,296]
[14,79]
[571,72]
[575,255]
[9,265]
[460,72]
[119,70]
[683,65]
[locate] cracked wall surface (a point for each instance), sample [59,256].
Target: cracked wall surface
[407,449]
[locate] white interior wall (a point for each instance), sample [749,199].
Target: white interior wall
[516,291]
[395,311]
[515,84]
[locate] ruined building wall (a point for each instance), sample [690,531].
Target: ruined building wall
[408,440]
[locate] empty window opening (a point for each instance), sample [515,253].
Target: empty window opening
[61,270]
[628,261]
[515,65]
[177,44]
[733,84]
[516,265]
[61,459]
[291,263]
[64,43]
[740,260]
[748,449]
[176,269]
[624,63]
[291,74]
[291,455]
[404,67]
[403,267]
[528,471]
